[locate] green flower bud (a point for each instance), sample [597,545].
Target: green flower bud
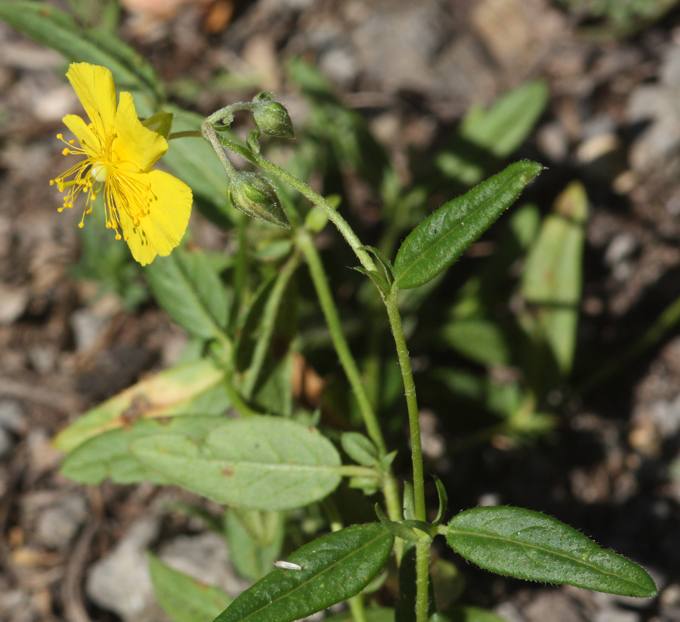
[271,117]
[255,196]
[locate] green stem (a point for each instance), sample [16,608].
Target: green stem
[422,549]
[422,581]
[411,403]
[333,215]
[241,263]
[354,470]
[330,311]
[209,133]
[237,402]
[268,323]
[185,134]
[356,606]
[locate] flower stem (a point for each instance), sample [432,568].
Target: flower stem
[422,581]
[333,215]
[268,323]
[422,549]
[185,134]
[209,133]
[237,402]
[411,403]
[330,311]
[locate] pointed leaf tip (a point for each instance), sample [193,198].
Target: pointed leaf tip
[444,235]
[528,545]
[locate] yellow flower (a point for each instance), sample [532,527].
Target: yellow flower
[148,208]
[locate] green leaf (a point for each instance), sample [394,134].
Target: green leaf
[501,399]
[529,545]
[160,122]
[183,598]
[479,339]
[190,290]
[108,455]
[57,30]
[268,330]
[261,463]
[192,388]
[444,235]
[553,274]
[360,448]
[335,567]
[255,539]
[498,132]
[448,583]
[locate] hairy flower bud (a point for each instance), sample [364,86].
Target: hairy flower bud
[271,117]
[255,196]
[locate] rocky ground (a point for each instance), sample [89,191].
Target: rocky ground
[76,554]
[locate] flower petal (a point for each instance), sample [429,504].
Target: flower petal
[83,132]
[95,90]
[135,143]
[163,228]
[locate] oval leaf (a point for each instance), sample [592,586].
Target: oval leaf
[261,463]
[553,274]
[492,133]
[188,287]
[335,567]
[255,539]
[444,235]
[108,455]
[529,545]
[189,389]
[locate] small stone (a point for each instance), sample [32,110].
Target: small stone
[619,254]
[12,416]
[205,558]
[42,454]
[88,323]
[670,597]
[13,301]
[340,65]
[554,606]
[509,612]
[553,141]
[616,615]
[57,525]
[120,582]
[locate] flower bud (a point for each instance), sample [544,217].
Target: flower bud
[271,117]
[255,196]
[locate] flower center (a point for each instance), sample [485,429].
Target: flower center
[99,172]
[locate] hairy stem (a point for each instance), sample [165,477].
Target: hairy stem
[268,323]
[333,215]
[318,274]
[422,549]
[411,404]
